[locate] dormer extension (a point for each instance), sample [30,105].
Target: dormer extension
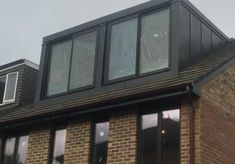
[17,83]
[153,41]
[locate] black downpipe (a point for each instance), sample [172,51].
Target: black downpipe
[192,126]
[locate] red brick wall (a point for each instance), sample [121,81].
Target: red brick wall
[78,142]
[122,146]
[218,119]
[38,147]
[185,131]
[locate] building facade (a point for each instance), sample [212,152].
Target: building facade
[150,84]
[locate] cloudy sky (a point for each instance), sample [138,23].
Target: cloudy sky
[23,23]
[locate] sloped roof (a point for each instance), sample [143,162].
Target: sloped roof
[193,75]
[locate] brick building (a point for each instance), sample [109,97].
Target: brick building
[154,83]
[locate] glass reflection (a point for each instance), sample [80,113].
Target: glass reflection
[59,68]
[9,151]
[83,60]
[101,143]
[122,55]
[170,137]
[59,147]
[22,150]
[11,86]
[154,41]
[149,135]
[160,137]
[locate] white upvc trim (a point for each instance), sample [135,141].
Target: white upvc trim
[31,64]
[11,100]
[26,62]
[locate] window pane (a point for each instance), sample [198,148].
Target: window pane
[2,88]
[9,151]
[170,137]
[122,56]
[22,150]
[59,146]
[59,68]
[83,61]
[101,143]
[154,42]
[11,87]
[149,136]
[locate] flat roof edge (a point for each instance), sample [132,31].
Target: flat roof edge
[107,18]
[132,10]
[18,63]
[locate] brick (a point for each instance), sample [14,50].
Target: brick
[38,147]
[78,143]
[122,146]
[218,119]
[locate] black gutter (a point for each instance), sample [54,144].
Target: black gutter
[71,115]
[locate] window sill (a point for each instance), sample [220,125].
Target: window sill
[7,103]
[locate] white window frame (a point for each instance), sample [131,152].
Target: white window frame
[4,96]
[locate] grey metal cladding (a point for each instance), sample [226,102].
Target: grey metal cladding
[195,39]
[184,44]
[215,41]
[206,39]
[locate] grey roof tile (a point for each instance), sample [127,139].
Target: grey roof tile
[188,76]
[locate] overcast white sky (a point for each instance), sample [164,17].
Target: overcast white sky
[23,23]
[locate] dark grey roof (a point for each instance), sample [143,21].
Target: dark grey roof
[18,63]
[190,76]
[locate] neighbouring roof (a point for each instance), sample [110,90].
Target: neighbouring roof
[192,76]
[18,63]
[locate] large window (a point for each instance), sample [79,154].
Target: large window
[153,45]
[160,138]
[72,64]
[134,46]
[100,143]
[82,70]
[8,84]
[59,146]
[15,150]
[154,42]
[122,56]
[59,68]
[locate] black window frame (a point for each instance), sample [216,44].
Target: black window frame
[139,17]
[100,74]
[16,146]
[152,110]
[52,140]
[48,63]
[107,49]
[93,132]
